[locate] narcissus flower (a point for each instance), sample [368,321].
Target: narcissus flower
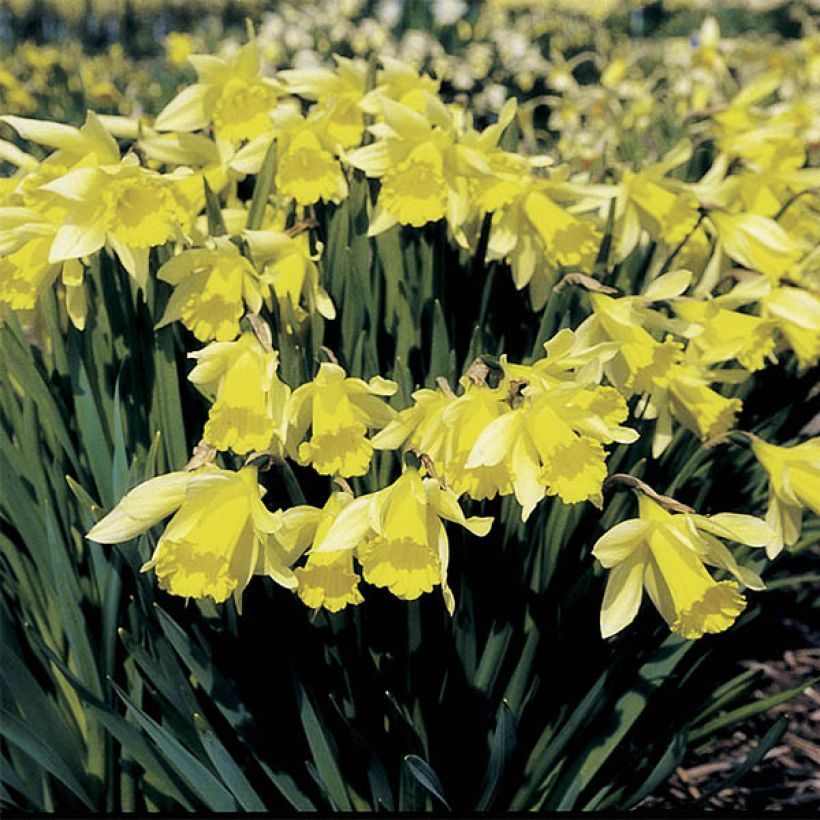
[667,215]
[551,443]
[794,483]
[338,410]
[230,94]
[420,426]
[249,398]
[728,334]
[328,578]
[337,93]
[644,362]
[288,267]
[667,555]
[124,206]
[423,170]
[757,242]
[306,165]
[796,312]
[408,552]
[675,383]
[212,286]
[216,539]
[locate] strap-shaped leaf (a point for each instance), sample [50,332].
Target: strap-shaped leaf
[423,772]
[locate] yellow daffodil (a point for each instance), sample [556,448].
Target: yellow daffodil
[423,171]
[178,47]
[794,484]
[249,399]
[212,286]
[400,82]
[287,266]
[667,555]
[338,93]
[327,579]
[216,539]
[230,95]
[728,334]
[420,426]
[757,242]
[796,312]
[551,443]
[338,411]
[124,206]
[408,551]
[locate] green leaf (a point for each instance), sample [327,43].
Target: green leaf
[424,774]
[755,756]
[288,788]
[216,224]
[502,747]
[661,771]
[262,188]
[551,744]
[442,359]
[129,737]
[167,399]
[199,778]
[17,361]
[495,650]
[727,692]
[204,672]
[22,735]
[321,748]
[93,433]
[626,710]
[227,767]
[10,778]
[750,710]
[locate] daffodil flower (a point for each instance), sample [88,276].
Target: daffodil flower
[338,411]
[538,236]
[728,334]
[399,536]
[287,266]
[667,554]
[124,206]
[212,287]
[399,82]
[420,426]
[757,242]
[423,170]
[327,579]
[796,312]
[215,541]
[551,442]
[307,168]
[230,94]
[794,484]
[674,383]
[338,93]
[249,399]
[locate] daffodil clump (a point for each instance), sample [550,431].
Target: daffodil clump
[250,213]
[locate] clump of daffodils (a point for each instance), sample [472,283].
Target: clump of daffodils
[699,269]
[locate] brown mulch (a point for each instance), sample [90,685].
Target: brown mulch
[788,777]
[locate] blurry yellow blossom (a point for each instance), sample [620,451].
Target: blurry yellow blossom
[794,484]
